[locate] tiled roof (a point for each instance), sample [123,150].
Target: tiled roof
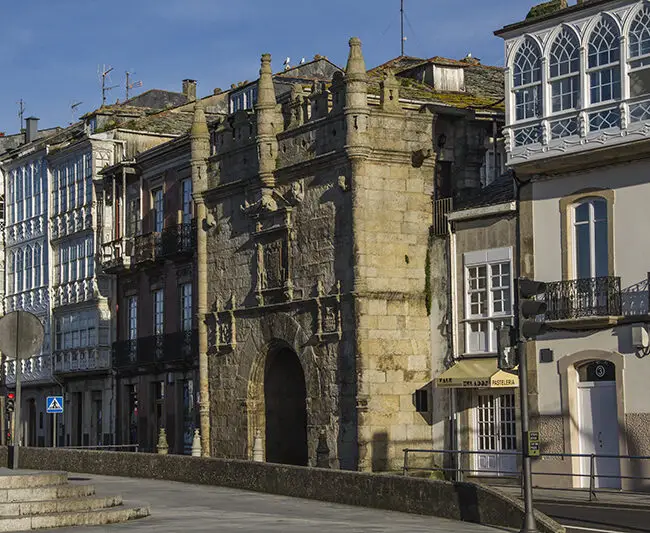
[156,99]
[484,84]
[500,191]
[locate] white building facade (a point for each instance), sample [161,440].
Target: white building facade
[578,126]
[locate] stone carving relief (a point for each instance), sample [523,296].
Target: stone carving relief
[224,327]
[328,314]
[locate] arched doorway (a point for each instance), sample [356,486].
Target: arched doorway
[285,399]
[598,423]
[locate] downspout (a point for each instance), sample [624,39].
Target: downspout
[453,292]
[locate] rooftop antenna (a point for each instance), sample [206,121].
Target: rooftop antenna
[105,73]
[130,85]
[401,12]
[73,107]
[21,112]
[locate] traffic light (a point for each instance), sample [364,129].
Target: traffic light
[530,308]
[507,348]
[9,406]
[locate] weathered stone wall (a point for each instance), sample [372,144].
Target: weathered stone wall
[456,501]
[394,213]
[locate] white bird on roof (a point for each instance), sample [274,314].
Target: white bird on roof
[287,66]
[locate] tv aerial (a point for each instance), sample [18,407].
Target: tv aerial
[104,73]
[131,85]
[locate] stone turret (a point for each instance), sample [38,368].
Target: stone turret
[200,145]
[268,118]
[356,109]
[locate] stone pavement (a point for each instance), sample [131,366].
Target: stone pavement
[180,507]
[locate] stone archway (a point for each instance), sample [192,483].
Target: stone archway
[285,402]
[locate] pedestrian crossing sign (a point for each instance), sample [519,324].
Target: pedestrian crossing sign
[54,404]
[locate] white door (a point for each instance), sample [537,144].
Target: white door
[495,432]
[598,428]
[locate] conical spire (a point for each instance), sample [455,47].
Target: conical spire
[356,67]
[265,89]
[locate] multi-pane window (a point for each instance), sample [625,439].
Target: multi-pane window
[77,330]
[19,272]
[158,209]
[488,282]
[28,190]
[527,81]
[186,187]
[38,166]
[564,70]
[72,181]
[639,51]
[76,259]
[37,265]
[11,266]
[158,312]
[28,268]
[604,68]
[19,196]
[591,238]
[186,306]
[132,309]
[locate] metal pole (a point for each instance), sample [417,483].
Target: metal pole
[18,428]
[592,490]
[54,430]
[529,525]
[402,24]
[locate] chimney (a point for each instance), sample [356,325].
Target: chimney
[31,129]
[189,90]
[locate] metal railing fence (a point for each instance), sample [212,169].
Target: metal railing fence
[105,447]
[459,470]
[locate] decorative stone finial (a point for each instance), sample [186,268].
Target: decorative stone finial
[162,446]
[356,67]
[258,448]
[265,89]
[389,88]
[196,444]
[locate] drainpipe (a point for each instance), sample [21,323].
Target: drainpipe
[453,291]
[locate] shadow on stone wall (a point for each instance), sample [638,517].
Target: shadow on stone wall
[456,501]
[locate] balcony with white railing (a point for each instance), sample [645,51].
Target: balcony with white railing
[82,360]
[37,369]
[73,221]
[73,292]
[35,301]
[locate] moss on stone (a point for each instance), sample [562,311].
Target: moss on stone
[547,8]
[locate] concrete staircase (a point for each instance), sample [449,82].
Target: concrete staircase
[38,500]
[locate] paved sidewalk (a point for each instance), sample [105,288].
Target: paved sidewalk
[180,507]
[604,498]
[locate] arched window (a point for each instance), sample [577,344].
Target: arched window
[640,35]
[604,62]
[591,238]
[639,52]
[564,72]
[28,267]
[527,81]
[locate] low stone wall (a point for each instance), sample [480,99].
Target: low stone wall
[457,501]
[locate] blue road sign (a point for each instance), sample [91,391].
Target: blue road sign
[55,404]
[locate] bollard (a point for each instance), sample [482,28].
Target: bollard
[162,442]
[196,444]
[322,451]
[258,448]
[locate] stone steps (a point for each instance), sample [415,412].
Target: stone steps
[86,518]
[64,505]
[39,500]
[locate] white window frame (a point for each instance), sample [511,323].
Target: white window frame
[487,258]
[158,299]
[613,66]
[132,317]
[591,200]
[186,310]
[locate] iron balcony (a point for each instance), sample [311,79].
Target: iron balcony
[172,349]
[582,298]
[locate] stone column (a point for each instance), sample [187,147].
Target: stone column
[200,146]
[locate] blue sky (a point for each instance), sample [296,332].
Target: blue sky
[51,49]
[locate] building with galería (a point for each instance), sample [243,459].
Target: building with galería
[318,318]
[578,117]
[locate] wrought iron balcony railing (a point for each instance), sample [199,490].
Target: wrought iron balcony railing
[174,348]
[179,239]
[580,298]
[116,255]
[147,248]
